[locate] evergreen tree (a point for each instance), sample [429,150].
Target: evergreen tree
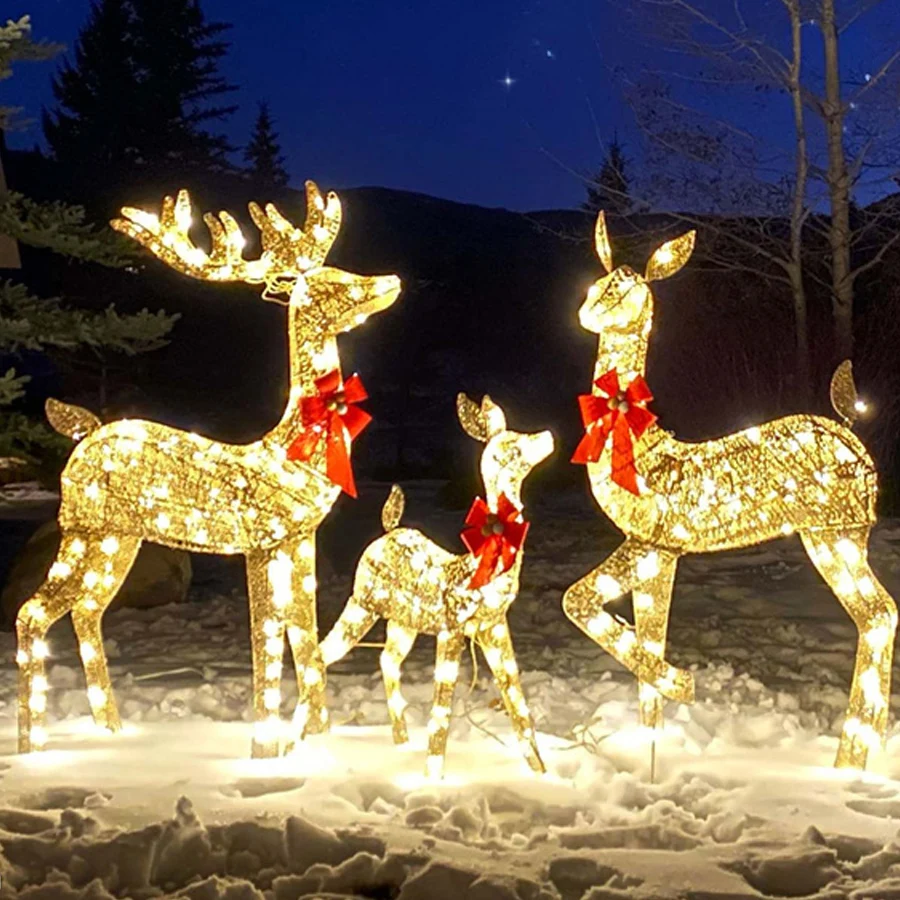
[139,93]
[29,323]
[94,127]
[263,152]
[177,54]
[608,189]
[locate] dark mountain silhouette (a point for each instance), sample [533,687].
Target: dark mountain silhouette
[490,305]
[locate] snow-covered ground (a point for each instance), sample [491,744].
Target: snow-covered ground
[743,802]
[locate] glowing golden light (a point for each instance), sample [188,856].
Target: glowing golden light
[132,481]
[420,588]
[802,474]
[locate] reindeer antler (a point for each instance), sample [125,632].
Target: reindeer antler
[306,247]
[287,250]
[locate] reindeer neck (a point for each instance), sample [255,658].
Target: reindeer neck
[311,357]
[624,351]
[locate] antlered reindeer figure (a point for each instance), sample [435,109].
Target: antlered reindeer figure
[132,481]
[420,588]
[800,474]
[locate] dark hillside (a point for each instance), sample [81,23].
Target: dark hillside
[489,305]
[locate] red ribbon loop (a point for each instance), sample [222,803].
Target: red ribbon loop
[331,415]
[624,415]
[494,537]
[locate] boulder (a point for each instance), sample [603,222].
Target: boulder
[160,575]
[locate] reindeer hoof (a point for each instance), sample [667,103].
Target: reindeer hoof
[535,763]
[316,724]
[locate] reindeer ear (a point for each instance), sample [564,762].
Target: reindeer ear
[670,257]
[471,418]
[494,417]
[601,242]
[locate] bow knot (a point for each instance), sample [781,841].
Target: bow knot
[620,413]
[494,537]
[331,414]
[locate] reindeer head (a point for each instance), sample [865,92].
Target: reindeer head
[508,456]
[292,261]
[622,298]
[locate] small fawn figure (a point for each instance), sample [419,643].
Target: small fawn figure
[420,588]
[132,481]
[800,474]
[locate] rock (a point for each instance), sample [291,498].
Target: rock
[160,575]
[438,881]
[13,470]
[20,821]
[307,844]
[489,887]
[574,875]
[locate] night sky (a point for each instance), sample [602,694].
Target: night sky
[496,102]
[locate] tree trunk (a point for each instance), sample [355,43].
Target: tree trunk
[838,189]
[798,205]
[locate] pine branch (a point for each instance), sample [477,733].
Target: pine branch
[12,387]
[30,323]
[23,438]
[16,45]
[59,227]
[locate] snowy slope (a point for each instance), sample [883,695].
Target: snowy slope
[744,802]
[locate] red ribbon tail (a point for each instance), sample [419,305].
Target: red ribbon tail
[582,454]
[489,554]
[623,470]
[591,445]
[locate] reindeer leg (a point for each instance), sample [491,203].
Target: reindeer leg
[446,672]
[348,631]
[310,715]
[75,581]
[584,604]
[652,598]
[399,642]
[841,558]
[266,587]
[119,555]
[496,643]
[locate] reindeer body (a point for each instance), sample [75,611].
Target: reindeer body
[801,474]
[132,481]
[421,588]
[687,510]
[439,600]
[229,484]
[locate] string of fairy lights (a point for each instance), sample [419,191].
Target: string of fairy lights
[132,481]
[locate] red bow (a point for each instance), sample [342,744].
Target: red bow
[331,414]
[493,536]
[621,413]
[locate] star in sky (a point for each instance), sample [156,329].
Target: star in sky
[507,81]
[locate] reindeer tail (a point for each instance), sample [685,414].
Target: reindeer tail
[844,398]
[72,421]
[392,511]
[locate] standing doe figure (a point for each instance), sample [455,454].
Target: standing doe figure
[420,588]
[131,481]
[800,474]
